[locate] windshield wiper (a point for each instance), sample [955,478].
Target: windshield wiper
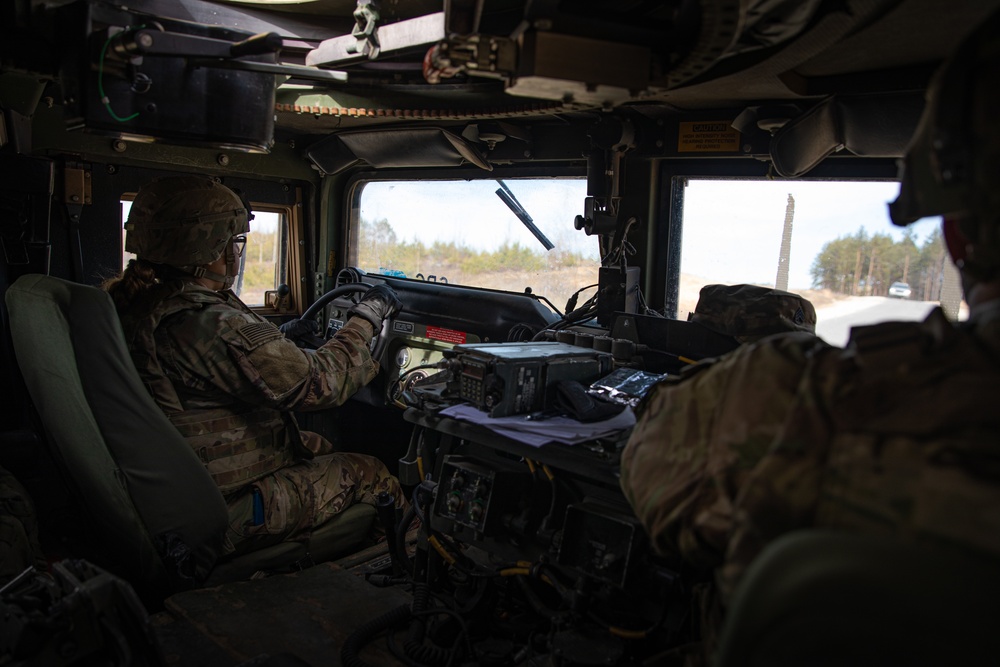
[515,206]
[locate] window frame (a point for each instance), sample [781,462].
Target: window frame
[665,253]
[288,228]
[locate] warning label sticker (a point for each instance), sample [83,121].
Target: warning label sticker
[707,137]
[446,335]
[402,327]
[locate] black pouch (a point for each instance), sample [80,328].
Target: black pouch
[572,398]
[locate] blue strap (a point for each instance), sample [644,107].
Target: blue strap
[258,507]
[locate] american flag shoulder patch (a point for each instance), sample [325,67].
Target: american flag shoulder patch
[258,333]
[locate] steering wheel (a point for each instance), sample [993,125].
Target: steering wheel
[380,339]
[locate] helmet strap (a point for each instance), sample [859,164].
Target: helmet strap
[232,265]
[201,272]
[228,279]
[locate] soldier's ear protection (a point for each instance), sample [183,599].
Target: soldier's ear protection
[954,141]
[951,143]
[943,163]
[246,203]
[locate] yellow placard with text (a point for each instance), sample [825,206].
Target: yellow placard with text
[707,137]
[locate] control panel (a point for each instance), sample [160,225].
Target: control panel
[599,542]
[477,497]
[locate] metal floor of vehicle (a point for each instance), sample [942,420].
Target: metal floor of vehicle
[307,614]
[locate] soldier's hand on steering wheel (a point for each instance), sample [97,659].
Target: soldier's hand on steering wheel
[378,303]
[302,332]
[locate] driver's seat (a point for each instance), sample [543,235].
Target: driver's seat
[151,502]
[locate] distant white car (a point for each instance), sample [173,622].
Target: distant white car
[900,291]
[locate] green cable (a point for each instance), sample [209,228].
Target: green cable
[100,86]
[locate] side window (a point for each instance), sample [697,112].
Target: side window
[265,257]
[830,241]
[467,233]
[265,263]
[126,206]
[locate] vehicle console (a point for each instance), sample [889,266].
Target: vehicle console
[535,546]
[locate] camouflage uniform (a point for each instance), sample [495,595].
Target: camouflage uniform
[228,380]
[895,434]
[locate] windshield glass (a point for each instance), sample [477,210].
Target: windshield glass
[463,232]
[843,252]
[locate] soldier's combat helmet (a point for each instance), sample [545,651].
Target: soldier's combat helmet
[750,312]
[187,222]
[952,167]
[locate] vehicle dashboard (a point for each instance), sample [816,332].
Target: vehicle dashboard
[434,318]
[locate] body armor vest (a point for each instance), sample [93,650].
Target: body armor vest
[237,443]
[237,446]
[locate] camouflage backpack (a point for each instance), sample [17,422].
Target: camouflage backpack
[749,312]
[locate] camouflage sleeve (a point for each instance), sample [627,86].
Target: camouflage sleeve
[698,438]
[295,379]
[226,350]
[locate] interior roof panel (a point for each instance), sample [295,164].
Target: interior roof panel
[912,33]
[834,45]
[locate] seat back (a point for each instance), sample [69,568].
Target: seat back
[151,501]
[825,598]
[25,200]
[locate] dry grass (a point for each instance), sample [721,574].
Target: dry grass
[558,285]
[555,285]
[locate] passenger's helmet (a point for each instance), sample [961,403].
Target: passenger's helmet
[952,167]
[184,221]
[749,312]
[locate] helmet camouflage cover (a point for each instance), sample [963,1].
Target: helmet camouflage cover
[184,221]
[952,167]
[749,312]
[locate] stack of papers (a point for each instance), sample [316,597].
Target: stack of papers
[540,432]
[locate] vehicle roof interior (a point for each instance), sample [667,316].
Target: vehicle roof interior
[659,59]
[797,52]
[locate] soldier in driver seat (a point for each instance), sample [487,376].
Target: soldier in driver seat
[229,380]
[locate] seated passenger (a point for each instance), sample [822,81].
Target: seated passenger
[895,435]
[228,379]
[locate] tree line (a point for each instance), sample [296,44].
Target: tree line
[379,246]
[866,265]
[260,265]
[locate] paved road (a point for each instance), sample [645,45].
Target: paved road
[834,323]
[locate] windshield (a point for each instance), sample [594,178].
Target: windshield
[830,241]
[463,232]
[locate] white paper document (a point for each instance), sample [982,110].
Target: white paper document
[542,431]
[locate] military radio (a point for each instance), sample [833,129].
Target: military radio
[515,378]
